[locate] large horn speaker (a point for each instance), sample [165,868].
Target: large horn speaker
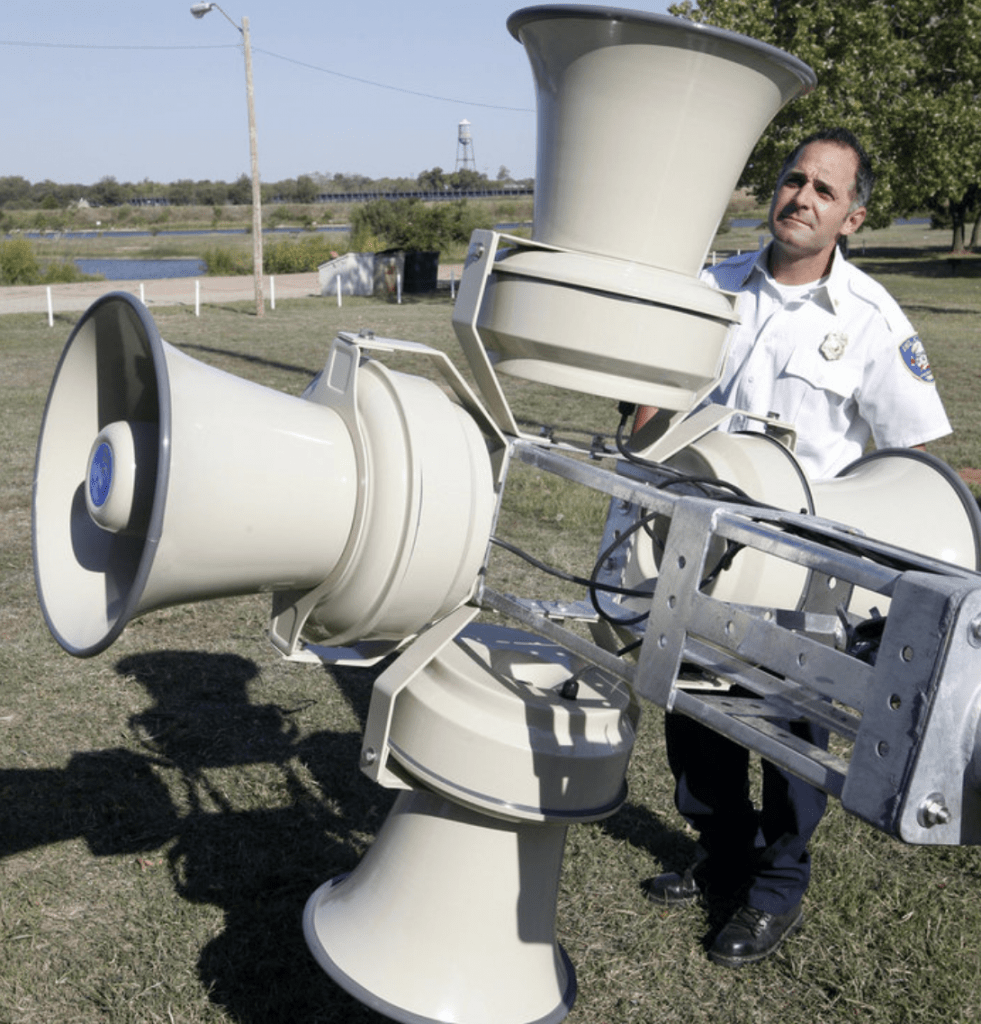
[451,914]
[644,125]
[161,480]
[902,497]
[906,498]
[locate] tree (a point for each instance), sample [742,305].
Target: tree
[432,181]
[14,190]
[466,180]
[107,192]
[181,192]
[240,191]
[351,182]
[47,194]
[904,75]
[306,190]
[213,193]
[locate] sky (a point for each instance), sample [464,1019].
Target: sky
[140,89]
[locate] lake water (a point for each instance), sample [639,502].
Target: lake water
[99,233]
[155,270]
[142,270]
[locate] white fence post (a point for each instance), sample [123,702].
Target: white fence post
[51,320]
[338,280]
[197,298]
[272,291]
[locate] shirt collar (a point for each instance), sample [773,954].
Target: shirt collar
[828,292]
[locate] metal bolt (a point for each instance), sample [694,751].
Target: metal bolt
[974,632]
[933,811]
[369,756]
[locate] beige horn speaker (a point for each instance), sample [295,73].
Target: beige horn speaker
[451,914]
[906,498]
[902,497]
[161,480]
[645,123]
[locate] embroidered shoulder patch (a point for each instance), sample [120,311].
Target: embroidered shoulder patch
[915,360]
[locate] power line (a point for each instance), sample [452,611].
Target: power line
[111,46]
[393,88]
[276,56]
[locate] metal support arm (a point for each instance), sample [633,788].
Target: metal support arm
[906,721]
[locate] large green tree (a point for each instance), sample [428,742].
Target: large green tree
[904,75]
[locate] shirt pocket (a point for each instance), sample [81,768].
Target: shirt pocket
[839,377]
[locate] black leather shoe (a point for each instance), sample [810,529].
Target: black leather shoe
[673,889]
[752,935]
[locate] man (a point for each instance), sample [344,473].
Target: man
[824,347]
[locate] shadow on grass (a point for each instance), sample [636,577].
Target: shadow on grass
[253,844]
[917,262]
[642,828]
[258,866]
[675,851]
[252,360]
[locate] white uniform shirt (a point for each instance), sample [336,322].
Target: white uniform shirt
[837,359]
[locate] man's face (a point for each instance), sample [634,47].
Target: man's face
[811,207]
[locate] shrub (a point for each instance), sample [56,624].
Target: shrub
[411,224]
[66,272]
[300,257]
[18,262]
[223,262]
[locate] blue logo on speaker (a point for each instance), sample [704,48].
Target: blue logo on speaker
[100,475]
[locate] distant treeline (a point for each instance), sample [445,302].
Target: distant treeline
[19,193]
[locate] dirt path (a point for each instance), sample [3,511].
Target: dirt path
[72,298]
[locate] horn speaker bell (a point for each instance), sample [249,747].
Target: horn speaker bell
[161,480]
[450,916]
[644,125]
[902,497]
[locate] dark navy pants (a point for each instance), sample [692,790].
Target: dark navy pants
[765,850]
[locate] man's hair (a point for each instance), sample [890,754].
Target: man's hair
[864,176]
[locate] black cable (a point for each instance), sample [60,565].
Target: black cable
[703,483]
[709,487]
[561,574]
[595,585]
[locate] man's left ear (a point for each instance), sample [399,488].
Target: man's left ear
[854,221]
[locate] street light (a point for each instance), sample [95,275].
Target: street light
[199,11]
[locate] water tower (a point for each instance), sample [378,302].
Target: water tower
[464,148]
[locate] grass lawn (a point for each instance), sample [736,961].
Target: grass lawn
[167,807]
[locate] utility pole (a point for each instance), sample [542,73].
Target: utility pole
[260,302]
[199,10]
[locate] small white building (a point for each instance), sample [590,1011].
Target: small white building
[361,273]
